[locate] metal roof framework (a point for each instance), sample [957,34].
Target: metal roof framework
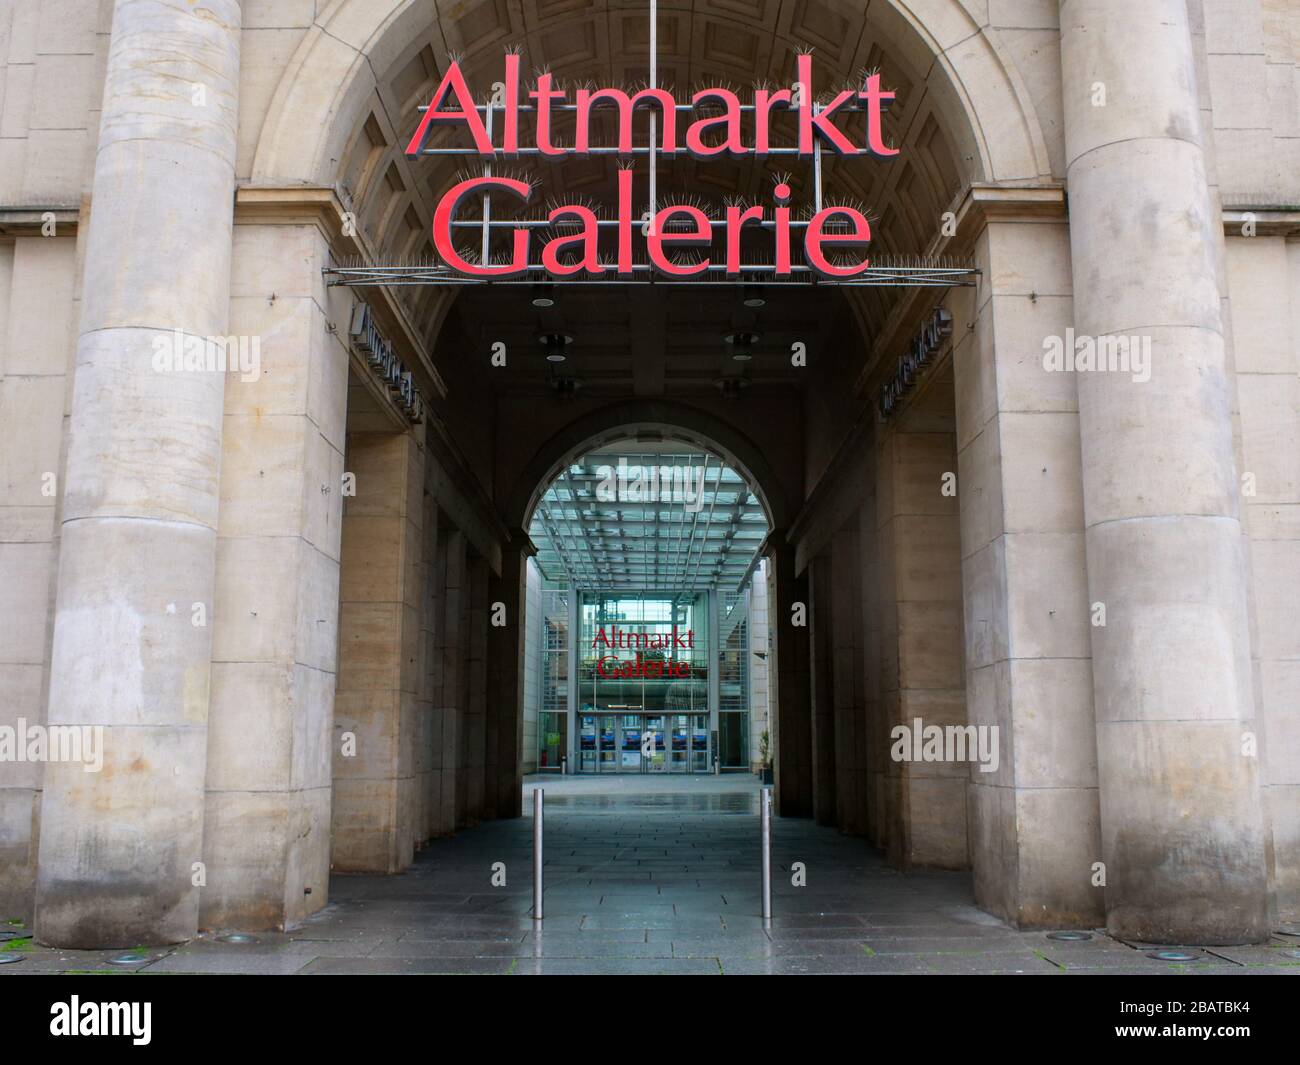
[606,523]
[884,272]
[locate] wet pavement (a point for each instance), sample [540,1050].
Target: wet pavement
[653,875]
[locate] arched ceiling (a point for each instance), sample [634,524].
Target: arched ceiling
[739,43]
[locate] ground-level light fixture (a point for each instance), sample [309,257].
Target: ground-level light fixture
[554,345]
[752,297]
[543,296]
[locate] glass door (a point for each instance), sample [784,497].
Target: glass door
[608,750]
[699,743]
[733,740]
[553,741]
[679,752]
[587,743]
[630,743]
[653,744]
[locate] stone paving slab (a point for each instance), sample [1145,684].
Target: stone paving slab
[657,876]
[427,966]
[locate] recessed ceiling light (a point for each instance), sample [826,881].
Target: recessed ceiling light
[741,345]
[543,296]
[555,343]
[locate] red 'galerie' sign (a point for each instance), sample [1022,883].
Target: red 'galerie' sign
[719,132]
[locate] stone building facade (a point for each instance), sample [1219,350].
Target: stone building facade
[230,573]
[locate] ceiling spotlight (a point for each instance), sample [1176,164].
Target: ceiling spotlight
[554,344]
[731,387]
[543,296]
[752,297]
[742,345]
[565,387]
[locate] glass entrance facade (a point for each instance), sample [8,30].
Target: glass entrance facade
[643,679]
[643,682]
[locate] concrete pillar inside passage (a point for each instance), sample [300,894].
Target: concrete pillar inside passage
[374,814]
[822,689]
[505,724]
[428,750]
[476,706]
[460,651]
[451,555]
[847,656]
[132,646]
[876,745]
[1181,822]
[790,726]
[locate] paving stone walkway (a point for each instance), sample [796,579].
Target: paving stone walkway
[655,875]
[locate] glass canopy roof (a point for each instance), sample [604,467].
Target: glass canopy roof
[648,517]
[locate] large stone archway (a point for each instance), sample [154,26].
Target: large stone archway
[224,494]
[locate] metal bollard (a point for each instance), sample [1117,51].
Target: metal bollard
[765,809]
[537,853]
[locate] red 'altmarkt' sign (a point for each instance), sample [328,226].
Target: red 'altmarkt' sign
[654,665]
[723,126]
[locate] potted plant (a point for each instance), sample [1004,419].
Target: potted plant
[765,755]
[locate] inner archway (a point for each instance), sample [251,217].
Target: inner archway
[651,644]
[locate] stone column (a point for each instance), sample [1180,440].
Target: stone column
[1182,833]
[131,646]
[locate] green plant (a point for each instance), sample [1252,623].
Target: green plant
[765,748]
